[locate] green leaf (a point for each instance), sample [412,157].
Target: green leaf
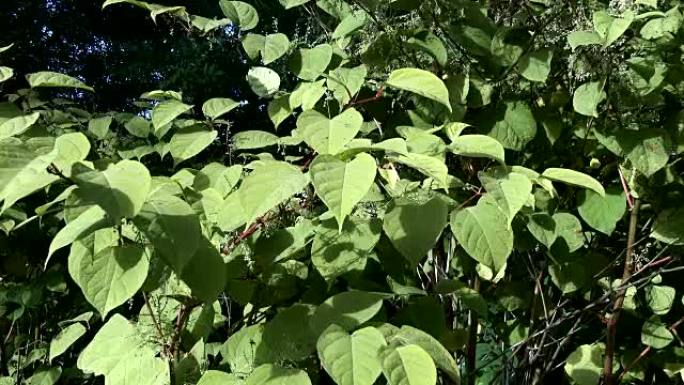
[65,339]
[581,38]
[120,190]
[56,80]
[351,359]
[329,136]
[336,251]
[655,334]
[611,28]
[307,94]
[189,142]
[240,13]
[350,24]
[345,83]
[408,335]
[216,377]
[232,214]
[648,150]
[288,334]
[602,213]
[669,226]
[214,108]
[414,227]
[205,276]
[542,226]
[120,354]
[90,220]
[271,47]
[71,148]
[271,183]
[244,350]
[112,276]
[292,3]
[536,65]
[100,126]
[45,376]
[263,81]
[420,82]
[512,124]
[172,227]
[430,43]
[253,139]
[166,112]
[568,232]
[348,309]
[484,233]
[341,185]
[574,178]
[279,109]
[510,190]
[408,365]
[478,146]
[18,125]
[587,97]
[659,298]
[585,364]
[309,63]
[6,73]
[428,166]
[269,374]
[138,127]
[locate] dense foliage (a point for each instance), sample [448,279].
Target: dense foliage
[353,192]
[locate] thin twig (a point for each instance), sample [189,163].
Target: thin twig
[157,325]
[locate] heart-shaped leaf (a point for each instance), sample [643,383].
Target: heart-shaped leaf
[329,136]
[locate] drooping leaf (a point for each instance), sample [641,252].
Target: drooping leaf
[428,166]
[309,63]
[611,28]
[341,185]
[414,227]
[189,142]
[408,365]
[408,335]
[478,146]
[112,276]
[90,220]
[172,227]
[279,109]
[587,97]
[55,80]
[351,23]
[602,213]
[574,178]
[329,136]
[240,13]
[351,359]
[269,184]
[484,232]
[420,82]
[120,190]
[216,107]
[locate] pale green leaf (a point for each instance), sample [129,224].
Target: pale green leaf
[214,108]
[240,13]
[478,146]
[574,178]
[511,123]
[307,94]
[408,365]
[611,28]
[100,126]
[341,185]
[54,79]
[429,43]
[189,142]
[245,350]
[440,355]
[484,233]
[216,377]
[120,190]
[351,359]
[414,227]
[119,353]
[581,38]
[65,339]
[18,125]
[536,65]
[329,136]
[92,219]
[112,276]
[542,226]
[292,3]
[6,73]
[602,213]
[585,364]
[253,139]
[269,374]
[232,214]
[428,166]
[569,234]
[659,298]
[309,63]
[587,97]
[345,83]
[655,334]
[279,109]
[172,227]
[351,23]
[271,183]
[45,376]
[271,47]
[348,309]
[166,112]
[420,82]
[510,190]
[669,226]
[205,275]
[263,81]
